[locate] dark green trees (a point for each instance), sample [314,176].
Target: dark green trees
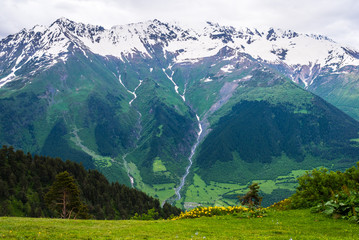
[25,179]
[252,198]
[64,197]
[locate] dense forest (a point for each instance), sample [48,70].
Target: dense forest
[286,132]
[320,133]
[25,179]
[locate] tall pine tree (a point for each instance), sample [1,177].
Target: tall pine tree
[64,197]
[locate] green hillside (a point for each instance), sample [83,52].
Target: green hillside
[25,179]
[269,131]
[128,120]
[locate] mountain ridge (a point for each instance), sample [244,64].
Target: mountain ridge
[142,103]
[140,38]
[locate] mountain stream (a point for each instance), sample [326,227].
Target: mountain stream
[199,133]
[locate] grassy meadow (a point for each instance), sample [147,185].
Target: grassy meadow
[291,224]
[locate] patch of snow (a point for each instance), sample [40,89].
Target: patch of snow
[227,68]
[39,28]
[174,83]
[188,60]
[305,84]
[246,78]
[84,53]
[300,49]
[229,58]
[206,79]
[119,78]
[64,58]
[8,78]
[117,41]
[134,93]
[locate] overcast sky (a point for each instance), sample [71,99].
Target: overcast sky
[337,19]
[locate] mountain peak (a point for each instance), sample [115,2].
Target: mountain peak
[38,28]
[157,21]
[64,23]
[186,43]
[63,20]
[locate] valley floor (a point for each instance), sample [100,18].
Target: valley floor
[293,224]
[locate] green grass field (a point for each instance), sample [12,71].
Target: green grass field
[293,224]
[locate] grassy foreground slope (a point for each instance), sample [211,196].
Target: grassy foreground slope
[292,224]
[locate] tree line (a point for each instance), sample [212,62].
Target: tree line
[25,180]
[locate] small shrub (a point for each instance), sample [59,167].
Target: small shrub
[238,211]
[282,205]
[344,205]
[151,215]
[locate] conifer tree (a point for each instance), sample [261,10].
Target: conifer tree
[64,196]
[251,199]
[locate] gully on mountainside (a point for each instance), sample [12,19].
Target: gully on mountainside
[125,164]
[199,133]
[224,95]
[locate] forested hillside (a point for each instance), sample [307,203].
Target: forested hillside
[25,179]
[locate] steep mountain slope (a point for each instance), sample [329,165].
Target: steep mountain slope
[143,102]
[340,88]
[262,127]
[302,56]
[25,180]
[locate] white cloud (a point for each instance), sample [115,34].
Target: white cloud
[337,19]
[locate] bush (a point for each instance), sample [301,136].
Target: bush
[238,211]
[282,205]
[151,215]
[320,185]
[343,205]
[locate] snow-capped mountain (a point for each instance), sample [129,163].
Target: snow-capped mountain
[144,102]
[303,56]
